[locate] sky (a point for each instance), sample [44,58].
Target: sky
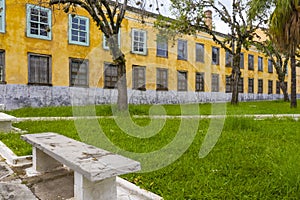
[219,25]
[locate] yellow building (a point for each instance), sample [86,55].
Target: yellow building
[46,55]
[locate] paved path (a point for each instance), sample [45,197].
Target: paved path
[11,187]
[256,116]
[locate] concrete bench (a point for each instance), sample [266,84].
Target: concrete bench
[95,170]
[6,122]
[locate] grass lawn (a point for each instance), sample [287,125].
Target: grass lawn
[253,159]
[260,107]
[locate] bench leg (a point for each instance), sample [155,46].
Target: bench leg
[100,190]
[42,162]
[5,126]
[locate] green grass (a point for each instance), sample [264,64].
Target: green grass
[18,146]
[253,159]
[259,107]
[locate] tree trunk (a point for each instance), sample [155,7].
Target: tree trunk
[122,87]
[235,76]
[281,72]
[293,80]
[284,91]
[235,92]
[120,61]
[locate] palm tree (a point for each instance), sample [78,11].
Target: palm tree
[284,29]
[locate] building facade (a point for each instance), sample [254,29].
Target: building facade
[50,58]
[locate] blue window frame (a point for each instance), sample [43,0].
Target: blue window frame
[199,52]
[242,61]
[39,20]
[161,46]
[79,32]
[182,50]
[139,41]
[270,66]
[260,64]
[250,62]
[2,16]
[215,56]
[228,59]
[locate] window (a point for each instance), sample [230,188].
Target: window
[139,42]
[270,66]
[110,75]
[79,72]
[105,42]
[250,62]
[182,81]
[260,86]
[161,79]
[215,82]
[39,22]
[215,55]
[260,63]
[182,50]
[199,82]
[2,16]
[228,84]
[199,52]
[228,59]
[79,30]
[39,69]
[270,87]
[241,85]
[242,61]
[277,87]
[250,85]
[161,46]
[138,78]
[2,66]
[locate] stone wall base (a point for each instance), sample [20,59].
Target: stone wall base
[19,96]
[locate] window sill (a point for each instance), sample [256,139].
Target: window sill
[80,86]
[139,53]
[110,88]
[39,37]
[40,84]
[85,44]
[141,89]
[162,89]
[161,56]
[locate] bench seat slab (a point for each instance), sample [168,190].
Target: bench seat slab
[93,163]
